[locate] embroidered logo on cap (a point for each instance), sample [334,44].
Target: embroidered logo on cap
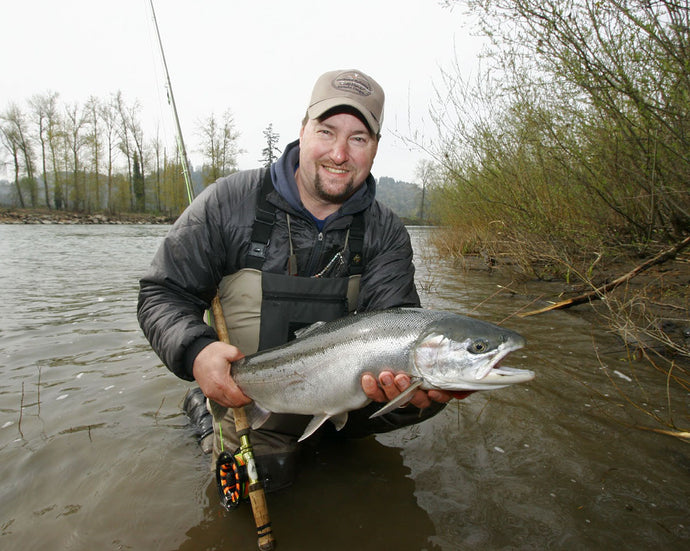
[354,83]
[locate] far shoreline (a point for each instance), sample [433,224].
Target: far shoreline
[46,216]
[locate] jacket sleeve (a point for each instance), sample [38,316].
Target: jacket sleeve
[388,278]
[183,277]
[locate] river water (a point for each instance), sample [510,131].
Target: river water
[95,452]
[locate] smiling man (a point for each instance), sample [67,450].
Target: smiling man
[302,241]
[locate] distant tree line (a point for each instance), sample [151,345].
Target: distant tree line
[96,156]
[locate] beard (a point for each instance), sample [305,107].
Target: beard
[338,198]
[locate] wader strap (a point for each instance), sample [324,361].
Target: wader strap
[356,240]
[263,225]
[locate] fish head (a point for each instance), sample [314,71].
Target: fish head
[458,353]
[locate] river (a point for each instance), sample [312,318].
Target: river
[95,452]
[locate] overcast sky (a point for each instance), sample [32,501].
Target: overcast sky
[258,58]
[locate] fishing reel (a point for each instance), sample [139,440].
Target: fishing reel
[232,479]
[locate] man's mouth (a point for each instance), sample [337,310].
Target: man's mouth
[335,170]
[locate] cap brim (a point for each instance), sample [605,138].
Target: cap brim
[318,109]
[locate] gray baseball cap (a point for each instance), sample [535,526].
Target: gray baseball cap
[352,88]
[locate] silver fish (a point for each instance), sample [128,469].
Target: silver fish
[319,372]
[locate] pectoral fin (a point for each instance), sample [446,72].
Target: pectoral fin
[399,400]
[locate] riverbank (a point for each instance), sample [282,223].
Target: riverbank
[45,216]
[649,311]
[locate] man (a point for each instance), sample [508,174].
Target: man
[285,247]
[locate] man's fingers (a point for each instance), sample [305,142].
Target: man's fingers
[371,388]
[389,386]
[211,370]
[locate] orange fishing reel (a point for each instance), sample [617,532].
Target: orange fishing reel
[232,479]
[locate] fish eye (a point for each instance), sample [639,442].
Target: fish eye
[477,347]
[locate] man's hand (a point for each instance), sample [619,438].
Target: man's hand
[391,385]
[212,372]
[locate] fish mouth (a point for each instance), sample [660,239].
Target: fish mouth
[503,375]
[494,369]
[495,375]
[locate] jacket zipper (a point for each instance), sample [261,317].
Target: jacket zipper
[315,254]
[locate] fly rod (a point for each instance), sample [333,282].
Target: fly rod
[257,497]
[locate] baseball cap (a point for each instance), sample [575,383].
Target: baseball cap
[352,88]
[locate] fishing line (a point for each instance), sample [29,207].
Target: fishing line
[182,150]
[162,118]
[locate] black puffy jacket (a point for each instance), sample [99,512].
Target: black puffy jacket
[211,238]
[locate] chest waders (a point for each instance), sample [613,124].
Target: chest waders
[263,310]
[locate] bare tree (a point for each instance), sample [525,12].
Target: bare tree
[44,108]
[16,120]
[158,151]
[9,139]
[426,172]
[125,143]
[136,132]
[108,117]
[93,140]
[75,121]
[219,146]
[55,135]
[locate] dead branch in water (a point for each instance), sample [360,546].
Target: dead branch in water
[680,434]
[155,416]
[600,291]
[21,411]
[38,391]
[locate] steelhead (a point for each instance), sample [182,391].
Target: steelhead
[319,372]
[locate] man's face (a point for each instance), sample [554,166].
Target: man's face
[336,155]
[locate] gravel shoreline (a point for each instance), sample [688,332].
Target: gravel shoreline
[31,216]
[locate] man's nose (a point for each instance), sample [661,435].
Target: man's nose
[339,153]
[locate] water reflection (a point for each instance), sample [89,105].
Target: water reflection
[354,494]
